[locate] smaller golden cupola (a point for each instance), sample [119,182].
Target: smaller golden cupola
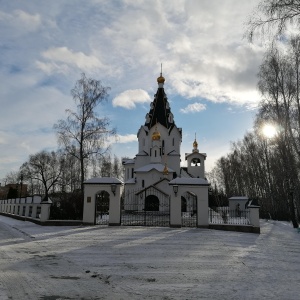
[195,145]
[165,171]
[156,135]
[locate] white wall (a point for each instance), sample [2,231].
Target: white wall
[28,207]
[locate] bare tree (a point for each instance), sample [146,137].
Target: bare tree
[106,166]
[279,86]
[118,168]
[83,134]
[273,14]
[70,179]
[11,177]
[44,167]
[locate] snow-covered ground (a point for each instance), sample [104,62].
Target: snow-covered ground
[147,263]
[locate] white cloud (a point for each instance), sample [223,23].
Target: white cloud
[3,138]
[181,44]
[21,20]
[51,67]
[128,138]
[61,57]
[193,108]
[228,74]
[130,98]
[31,22]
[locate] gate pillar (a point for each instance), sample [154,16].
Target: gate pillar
[45,210]
[175,210]
[199,187]
[202,206]
[115,206]
[111,185]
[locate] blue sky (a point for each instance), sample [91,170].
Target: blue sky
[210,70]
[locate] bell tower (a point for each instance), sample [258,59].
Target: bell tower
[195,161]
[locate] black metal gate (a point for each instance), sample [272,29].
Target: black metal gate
[102,208]
[189,210]
[146,207]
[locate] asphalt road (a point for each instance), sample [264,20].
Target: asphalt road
[102,262]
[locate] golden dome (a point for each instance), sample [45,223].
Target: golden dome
[155,135]
[165,171]
[160,79]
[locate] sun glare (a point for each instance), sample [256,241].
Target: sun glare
[269,131]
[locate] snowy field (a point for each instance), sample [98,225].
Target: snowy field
[102,262]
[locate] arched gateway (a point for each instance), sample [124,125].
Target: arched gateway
[102,201]
[102,208]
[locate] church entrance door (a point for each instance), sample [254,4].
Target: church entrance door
[152,203]
[146,207]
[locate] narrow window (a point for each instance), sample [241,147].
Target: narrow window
[155,153]
[143,183]
[173,142]
[30,211]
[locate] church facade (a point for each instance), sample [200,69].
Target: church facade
[156,167]
[157,190]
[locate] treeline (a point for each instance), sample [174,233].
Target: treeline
[84,150]
[56,175]
[59,172]
[264,166]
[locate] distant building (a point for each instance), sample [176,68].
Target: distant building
[4,190]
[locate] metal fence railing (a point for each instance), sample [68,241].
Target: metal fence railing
[146,207]
[224,215]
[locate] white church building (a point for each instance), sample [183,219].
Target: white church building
[156,189]
[156,167]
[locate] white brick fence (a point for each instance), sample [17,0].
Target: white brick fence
[26,208]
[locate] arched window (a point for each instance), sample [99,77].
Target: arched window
[196,162]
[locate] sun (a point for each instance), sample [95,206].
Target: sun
[269,131]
